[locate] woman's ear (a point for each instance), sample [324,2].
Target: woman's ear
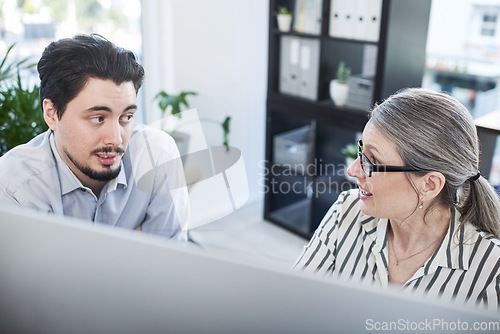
[433,184]
[50,114]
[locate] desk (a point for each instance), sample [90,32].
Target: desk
[488,130]
[473,81]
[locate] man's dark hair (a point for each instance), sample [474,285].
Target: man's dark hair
[67,64]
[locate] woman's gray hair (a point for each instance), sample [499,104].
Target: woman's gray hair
[434,131]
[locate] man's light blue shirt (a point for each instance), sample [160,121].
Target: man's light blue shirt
[149,191]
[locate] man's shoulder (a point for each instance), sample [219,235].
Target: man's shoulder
[155,141]
[26,161]
[143,129]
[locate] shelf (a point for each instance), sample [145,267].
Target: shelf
[323,111]
[305,64]
[294,217]
[491,77]
[287,170]
[354,41]
[277,32]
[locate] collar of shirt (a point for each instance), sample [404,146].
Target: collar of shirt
[376,228]
[69,182]
[454,251]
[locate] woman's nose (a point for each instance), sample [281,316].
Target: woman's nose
[354,169]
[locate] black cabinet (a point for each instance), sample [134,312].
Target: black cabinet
[305,169]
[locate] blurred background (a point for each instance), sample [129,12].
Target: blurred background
[219,49]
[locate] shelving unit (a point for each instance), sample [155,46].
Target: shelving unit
[298,200]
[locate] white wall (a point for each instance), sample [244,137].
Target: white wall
[217,48]
[448,26]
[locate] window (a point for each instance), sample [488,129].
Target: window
[489,25]
[33,24]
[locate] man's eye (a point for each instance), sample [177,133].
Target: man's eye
[127,118]
[97,119]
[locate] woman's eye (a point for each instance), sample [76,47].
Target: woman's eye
[373,160]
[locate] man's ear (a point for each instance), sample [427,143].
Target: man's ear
[433,184]
[50,114]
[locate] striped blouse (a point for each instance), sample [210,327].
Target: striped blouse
[348,244]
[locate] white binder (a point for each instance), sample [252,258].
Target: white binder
[347,18]
[299,66]
[374,13]
[309,68]
[289,65]
[360,21]
[309,11]
[317,13]
[308,14]
[370,52]
[355,19]
[335,28]
[299,24]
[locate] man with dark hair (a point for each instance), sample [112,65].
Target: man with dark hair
[94,163]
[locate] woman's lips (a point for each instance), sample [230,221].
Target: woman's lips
[364,194]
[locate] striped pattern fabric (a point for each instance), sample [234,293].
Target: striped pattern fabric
[464,269]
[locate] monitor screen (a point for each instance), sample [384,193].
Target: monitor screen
[61,275]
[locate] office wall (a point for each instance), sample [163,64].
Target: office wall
[448,26]
[217,48]
[452,27]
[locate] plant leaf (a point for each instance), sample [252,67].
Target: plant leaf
[226,129]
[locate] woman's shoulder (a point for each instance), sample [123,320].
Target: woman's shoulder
[490,240]
[345,200]
[485,257]
[348,198]
[483,245]
[347,209]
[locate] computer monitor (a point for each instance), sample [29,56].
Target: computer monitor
[61,275]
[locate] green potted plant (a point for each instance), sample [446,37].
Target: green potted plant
[339,86]
[350,151]
[21,116]
[284,17]
[172,103]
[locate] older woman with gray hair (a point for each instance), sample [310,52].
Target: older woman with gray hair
[423,218]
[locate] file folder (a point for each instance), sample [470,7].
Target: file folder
[347,18]
[334,30]
[289,65]
[342,20]
[308,15]
[315,17]
[300,16]
[374,15]
[355,19]
[360,20]
[309,68]
[299,66]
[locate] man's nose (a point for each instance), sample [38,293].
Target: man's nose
[113,134]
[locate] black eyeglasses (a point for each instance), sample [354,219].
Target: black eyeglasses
[368,168]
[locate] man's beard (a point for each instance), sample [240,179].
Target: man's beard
[106,175]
